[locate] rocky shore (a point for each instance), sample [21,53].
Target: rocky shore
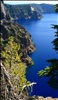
[22,37]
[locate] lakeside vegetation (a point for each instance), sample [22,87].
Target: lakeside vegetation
[13,63]
[16,45]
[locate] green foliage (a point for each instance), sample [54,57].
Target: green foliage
[55,26]
[55,43]
[13,64]
[56,7]
[45,71]
[52,70]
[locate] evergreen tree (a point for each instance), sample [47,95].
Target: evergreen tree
[13,64]
[52,70]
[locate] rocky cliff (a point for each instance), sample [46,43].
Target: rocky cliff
[30,11]
[25,11]
[4,12]
[44,8]
[8,91]
[22,38]
[9,28]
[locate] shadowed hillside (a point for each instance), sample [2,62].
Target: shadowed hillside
[23,11]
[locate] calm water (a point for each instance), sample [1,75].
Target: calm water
[42,35]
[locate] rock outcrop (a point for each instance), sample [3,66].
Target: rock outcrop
[26,11]
[10,28]
[8,92]
[4,12]
[30,11]
[7,89]
[44,8]
[22,37]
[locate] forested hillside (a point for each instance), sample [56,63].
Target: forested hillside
[44,8]
[30,11]
[23,11]
[15,46]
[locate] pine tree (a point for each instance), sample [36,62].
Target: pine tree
[13,64]
[52,70]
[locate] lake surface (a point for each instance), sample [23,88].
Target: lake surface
[42,35]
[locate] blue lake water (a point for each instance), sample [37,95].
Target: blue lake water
[42,35]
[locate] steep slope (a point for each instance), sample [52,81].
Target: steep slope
[14,75]
[3,12]
[25,11]
[8,91]
[48,8]
[9,28]
[21,36]
[30,11]
[44,8]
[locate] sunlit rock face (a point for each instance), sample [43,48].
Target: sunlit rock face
[4,12]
